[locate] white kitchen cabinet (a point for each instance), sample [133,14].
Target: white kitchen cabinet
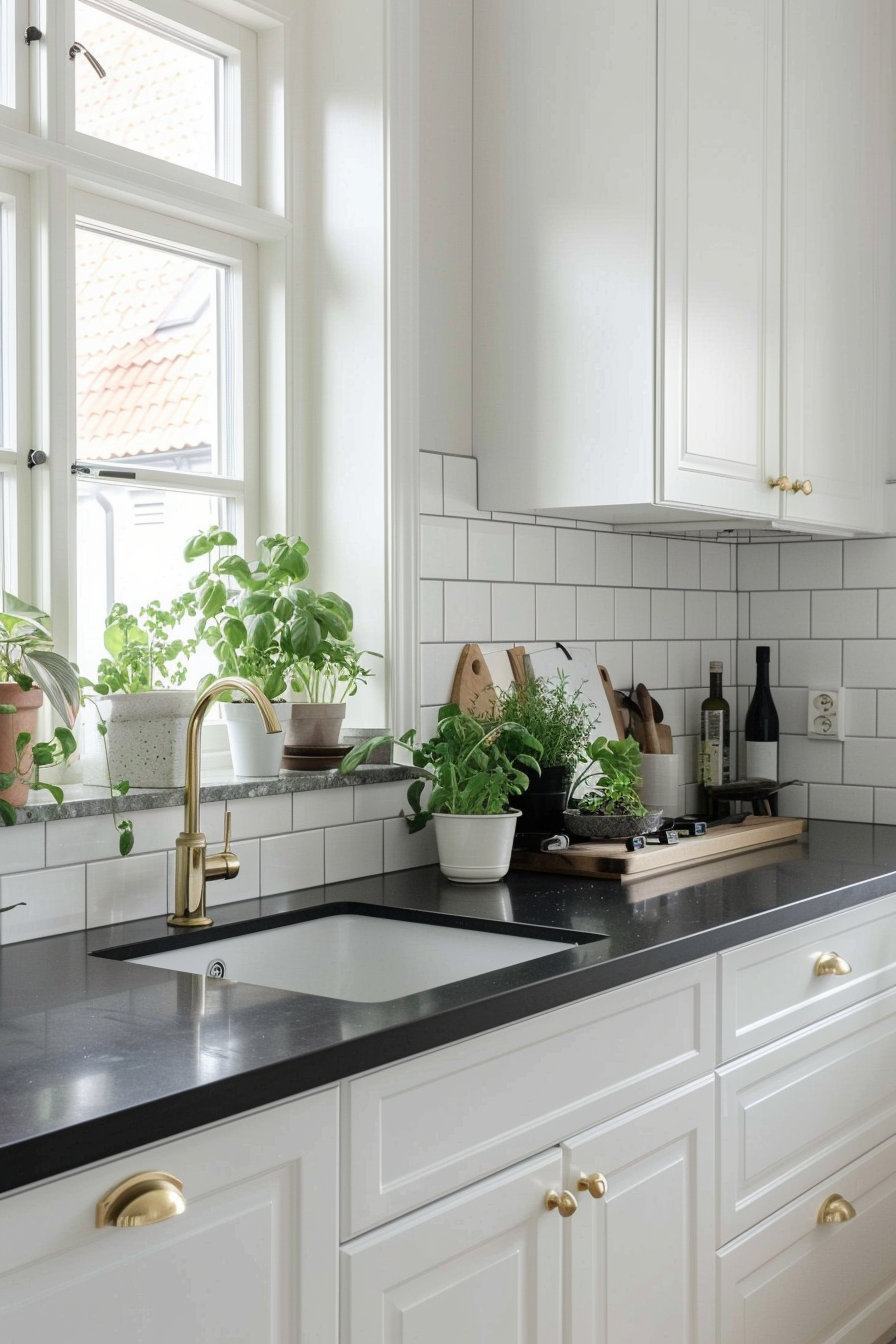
[252,1260]
[640,1255]
[482,1267]
[837,274]
[756,139]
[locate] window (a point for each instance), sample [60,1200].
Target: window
[13,371]
[13,61]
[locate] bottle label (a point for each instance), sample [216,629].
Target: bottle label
[714,763]
[762,760]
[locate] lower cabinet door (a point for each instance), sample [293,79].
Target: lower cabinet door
[481,1267]
[253,1259]
[791,1280]
[642,1244]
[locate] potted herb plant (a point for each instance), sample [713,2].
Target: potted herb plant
[262,623]
[611,808]
[559,717]
[30,669]
[141,710]
[475,768]
[325,680]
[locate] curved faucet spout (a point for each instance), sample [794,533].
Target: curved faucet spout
[193,865]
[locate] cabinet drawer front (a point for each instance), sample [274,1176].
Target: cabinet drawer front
[790,1281]
[253,1257]
[482,1265]
[796,1111]
[432,1124]
[770,988]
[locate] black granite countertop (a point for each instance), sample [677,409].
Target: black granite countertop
[98,1056]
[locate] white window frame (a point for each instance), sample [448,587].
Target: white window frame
[180,20]
[15,343]
[14,19]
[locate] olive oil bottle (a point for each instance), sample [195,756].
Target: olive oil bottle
[715,732]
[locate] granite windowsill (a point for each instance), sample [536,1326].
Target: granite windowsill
[82,800]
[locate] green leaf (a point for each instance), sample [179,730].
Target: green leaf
[52,789]
[7,779]
[8,709]
[198,546]
[359,754]
[213,598]
[234,632]
[304,634]
[67,741]
[125,838]
[261,630]
[7,811]
[235,567]
[58,680]
[255,603]
[21,742]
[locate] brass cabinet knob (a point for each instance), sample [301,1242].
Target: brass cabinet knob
[595,1184]
[836,1209]
[829,963]
[802,487]
[151,1197]
[782,483]
[565,1203]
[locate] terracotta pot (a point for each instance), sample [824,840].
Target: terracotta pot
[314,725]
[24,720]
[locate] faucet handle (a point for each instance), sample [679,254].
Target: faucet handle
[225,863]
[228,820]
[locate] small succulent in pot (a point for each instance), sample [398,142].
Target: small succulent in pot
[611,808]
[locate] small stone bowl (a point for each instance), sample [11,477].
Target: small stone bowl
[592,826]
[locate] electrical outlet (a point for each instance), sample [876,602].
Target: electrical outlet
[826,713]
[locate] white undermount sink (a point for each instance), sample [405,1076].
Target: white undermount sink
[356,957]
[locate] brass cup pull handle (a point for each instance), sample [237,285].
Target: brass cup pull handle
[565,1203]
[782,483]
[802,487]
[595,1184]
[829,963]
[835,1209]
[151,1197]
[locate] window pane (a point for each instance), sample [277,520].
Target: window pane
[7,53]
[152,385]
[7,534]
[160,95]
[130,549]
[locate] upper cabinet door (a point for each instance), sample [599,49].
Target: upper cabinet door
[838,143]
[719,251]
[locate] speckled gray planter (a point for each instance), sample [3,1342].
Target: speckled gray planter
[146,739]
[590,826]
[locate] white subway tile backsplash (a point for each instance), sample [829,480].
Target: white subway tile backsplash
[885,807]
[700,615]
[849,613]
[715,564]
[81,839]
[809,760]
[402,850]
[886,627]
[432,611]
[811,564]
[684,663]
[632,613]
[534,554]
[650,663]
[353,851]
[438,663]
[22,847]
[886,713]
[575,556]
[54,902]
[667,614]
[868,760]
[260,816]
[757,568]
[375,802]
[841,802]
[616,656]
[683,563]
[325,807]
[614,559]
[860,712]
[460,488]
[779,615]
[293,862]
[868,662]
[443,548]
[491,550]
[468,612]
[431,497]
[649,562]
[726,615]
[123,889]
[811,662]
[794,801]
[869,563]
[513,612]
[595,613]
[555,611]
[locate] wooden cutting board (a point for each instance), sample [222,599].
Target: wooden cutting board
[612,861]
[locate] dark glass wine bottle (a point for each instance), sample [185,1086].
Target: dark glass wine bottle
[762,725]
[715,728]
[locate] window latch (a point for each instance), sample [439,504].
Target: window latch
[78,49]
[106,473]
[32,34]
[36,457]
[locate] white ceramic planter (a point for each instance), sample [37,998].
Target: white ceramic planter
[314,725]
[146,739]
[255,753]
[475,849]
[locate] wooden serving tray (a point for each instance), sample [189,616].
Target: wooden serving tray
[611,860]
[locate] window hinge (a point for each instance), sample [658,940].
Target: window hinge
[106,473]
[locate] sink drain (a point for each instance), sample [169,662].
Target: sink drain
[216,969]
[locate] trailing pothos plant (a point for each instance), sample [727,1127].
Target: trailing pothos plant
[258,618]
[57,751]
[474,766]
[614,794]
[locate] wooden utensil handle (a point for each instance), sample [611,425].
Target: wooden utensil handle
[645,704]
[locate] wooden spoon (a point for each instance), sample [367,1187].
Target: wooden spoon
[645,704]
